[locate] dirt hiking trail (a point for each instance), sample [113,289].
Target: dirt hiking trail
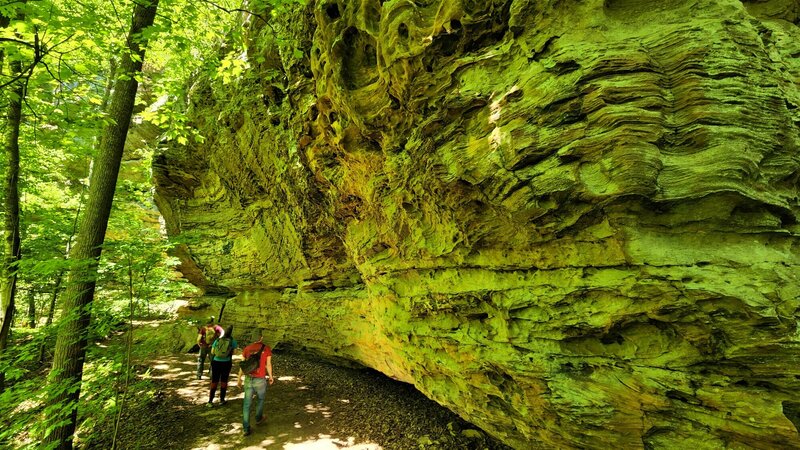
[312,405]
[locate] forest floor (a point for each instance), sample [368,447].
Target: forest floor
[311,405]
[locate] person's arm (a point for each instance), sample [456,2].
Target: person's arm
[200,338]
[240,377]
[269,369]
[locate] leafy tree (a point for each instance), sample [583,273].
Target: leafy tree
[8,279]
[63,113]
[72,336]
[33,40]
[11,244]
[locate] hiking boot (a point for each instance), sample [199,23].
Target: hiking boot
[209,405]
[259,421]
[246,432]
[223,403]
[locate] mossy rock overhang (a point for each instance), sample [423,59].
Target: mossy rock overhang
[572,223]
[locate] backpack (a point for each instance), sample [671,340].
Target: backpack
[223,348]
[210,335]
[252,362]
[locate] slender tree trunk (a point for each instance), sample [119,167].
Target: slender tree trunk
[124,391]
[53,298]
[51,311]
[144,290]
[4,21]
[32,308]
[11,250]
[72,335]
[60,276]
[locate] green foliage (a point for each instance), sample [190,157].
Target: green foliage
[22,405]
[185,47]
[68,51]
[66,92]
[209,43]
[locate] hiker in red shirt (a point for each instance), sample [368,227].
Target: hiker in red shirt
[256,381]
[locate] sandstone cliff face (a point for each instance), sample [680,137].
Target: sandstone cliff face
[572,222]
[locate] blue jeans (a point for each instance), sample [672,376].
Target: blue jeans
[253,386]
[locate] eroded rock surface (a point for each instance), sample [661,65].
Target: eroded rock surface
[574,223]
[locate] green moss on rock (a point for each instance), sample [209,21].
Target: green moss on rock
[573,223]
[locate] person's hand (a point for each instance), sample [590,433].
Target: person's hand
[271,380]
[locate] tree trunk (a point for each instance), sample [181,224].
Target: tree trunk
[72,335]
[60,276]
[11,253]
[56,287]
[4,21]
[32,308]
[51,311]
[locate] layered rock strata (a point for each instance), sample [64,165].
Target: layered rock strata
[574,223]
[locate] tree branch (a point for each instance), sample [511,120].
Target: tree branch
[25,98]
[51,48]
[40,50]
[227,10]
[55,77]
[27,44]
[20,76]
[17,1]
[116,14]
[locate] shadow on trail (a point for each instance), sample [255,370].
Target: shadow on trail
[294,417]
[312,405]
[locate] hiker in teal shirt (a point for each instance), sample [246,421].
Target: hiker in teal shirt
[221,363]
